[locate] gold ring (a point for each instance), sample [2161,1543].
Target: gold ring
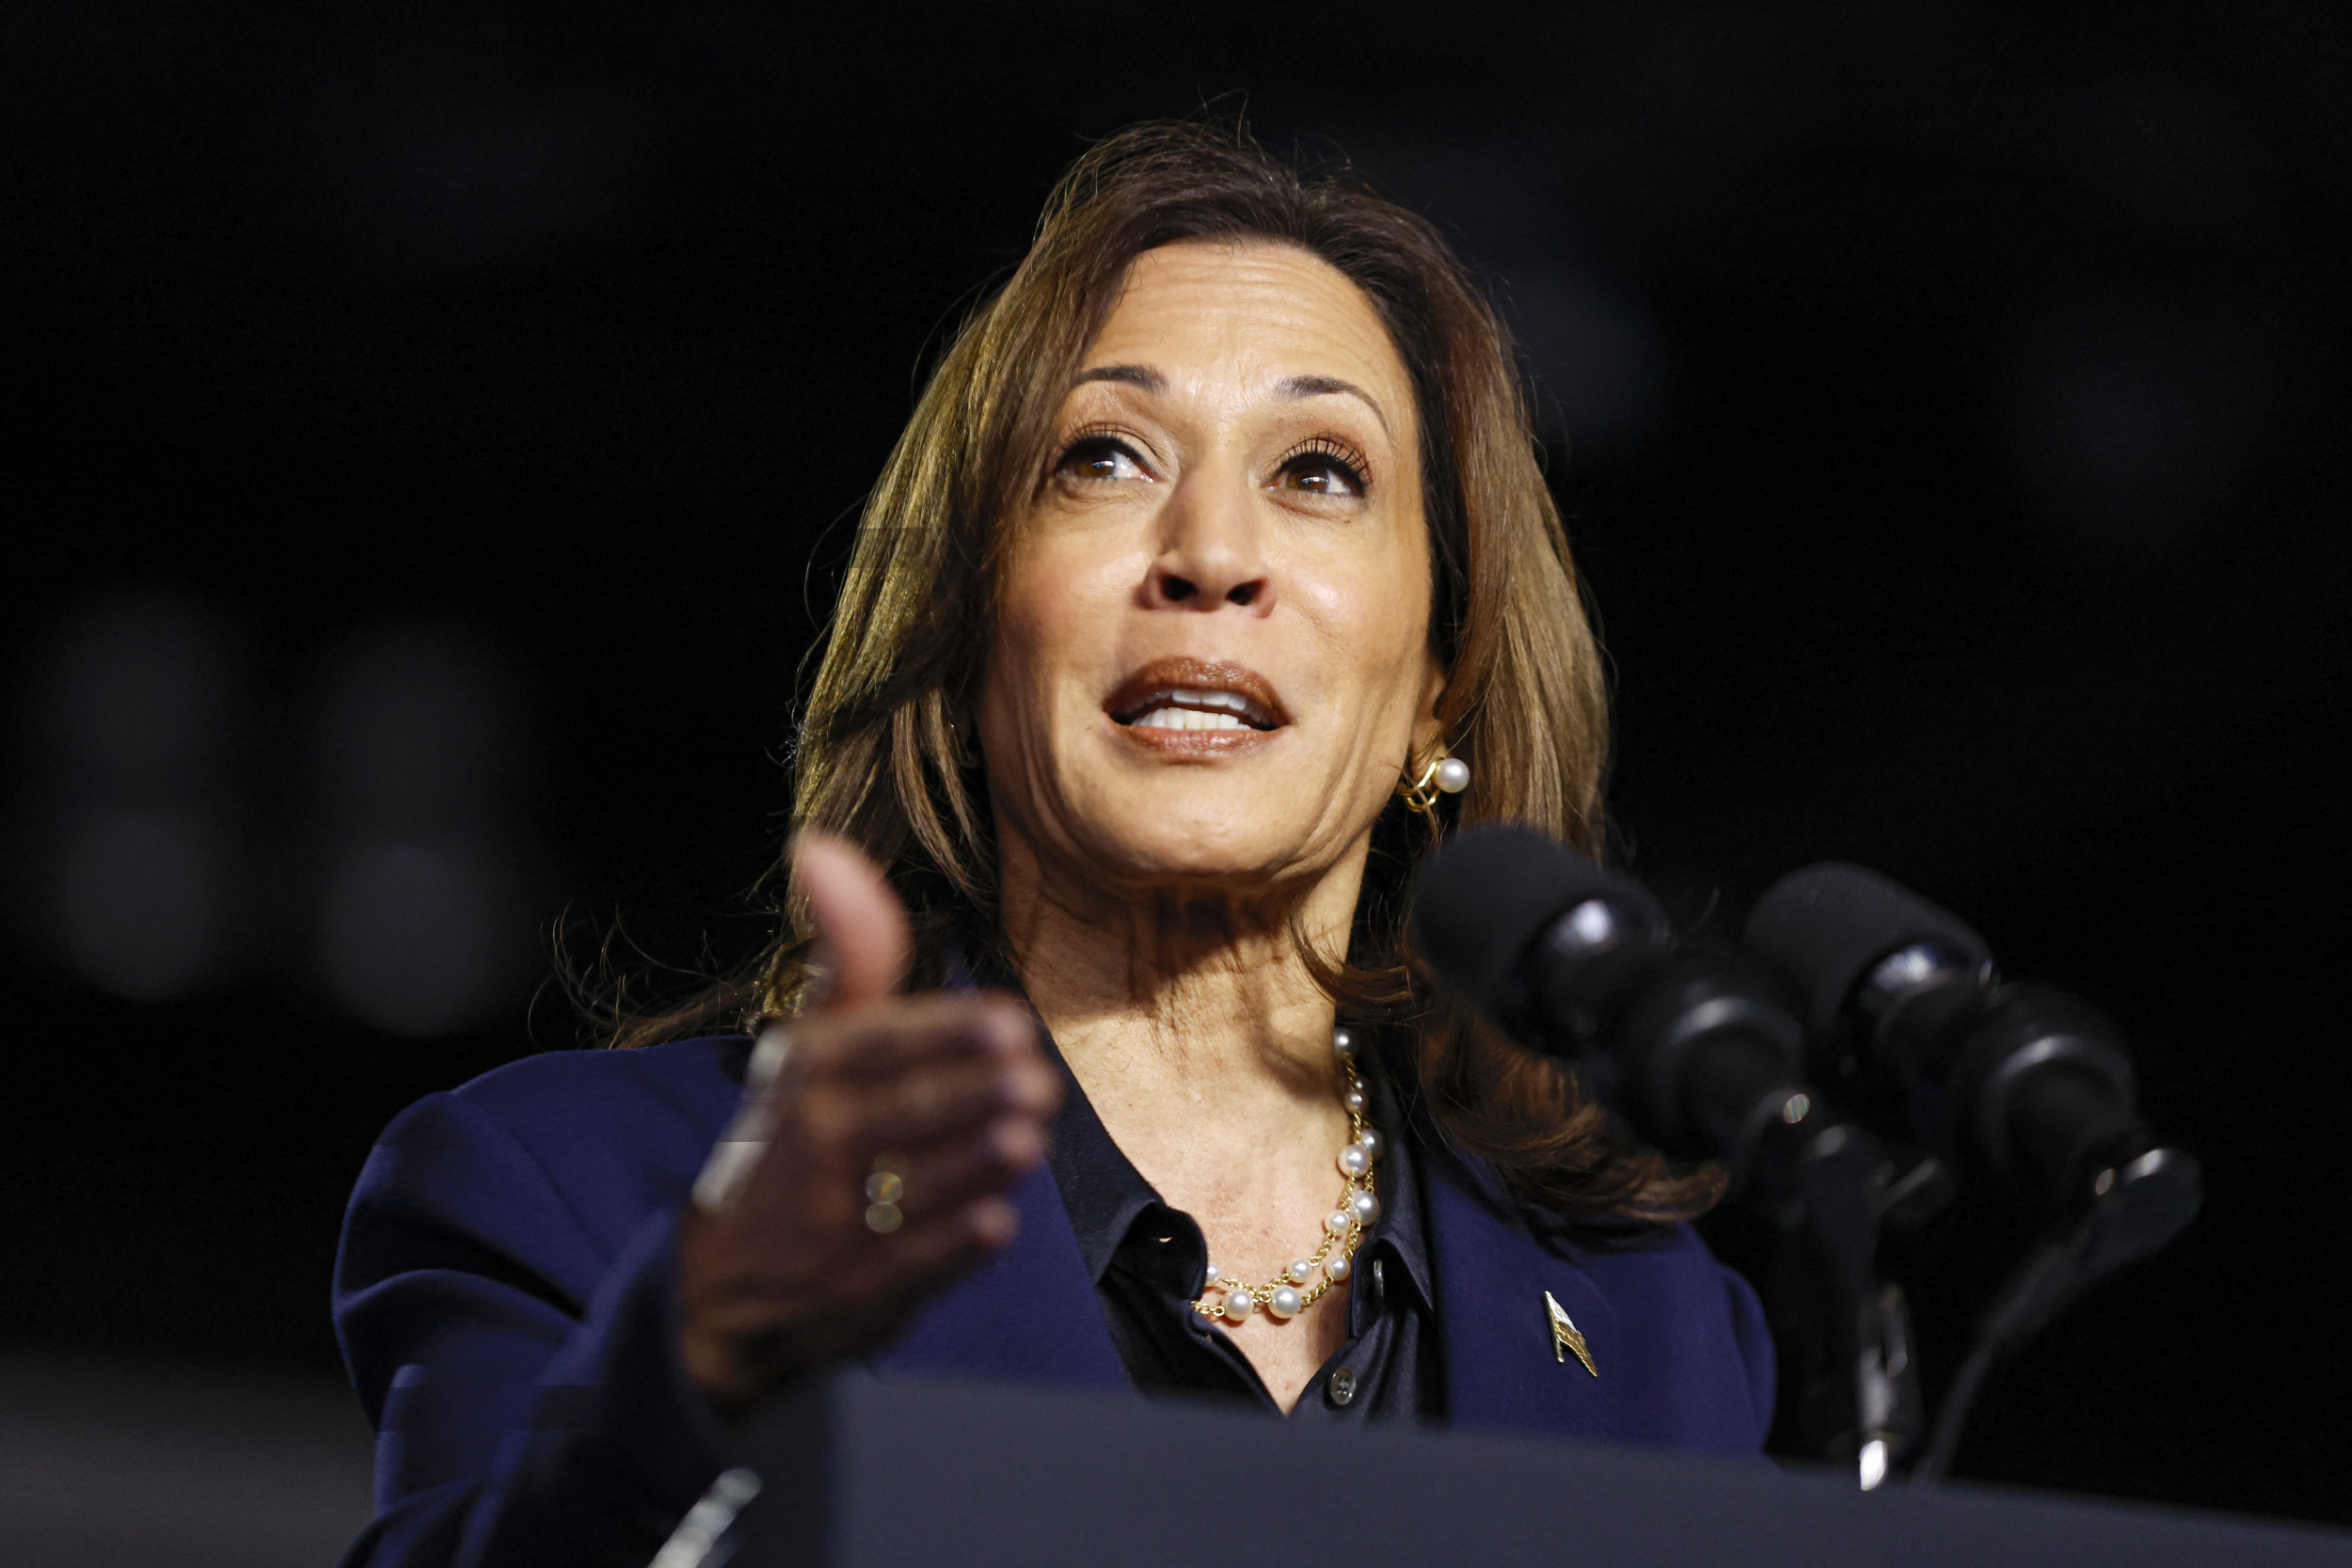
[883,1188]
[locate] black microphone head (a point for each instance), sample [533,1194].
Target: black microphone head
[1490,892]
[1828,925]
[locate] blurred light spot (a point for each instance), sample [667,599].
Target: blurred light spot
[408,935]
[138,902]
[416,749]
[129,817]
[1872,1467]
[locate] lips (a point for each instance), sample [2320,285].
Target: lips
[1186,697]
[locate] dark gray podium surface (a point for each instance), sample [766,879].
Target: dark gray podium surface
[858,1472]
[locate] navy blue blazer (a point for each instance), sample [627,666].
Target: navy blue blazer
[507,1299]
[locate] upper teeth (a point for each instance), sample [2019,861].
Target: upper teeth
[1197,710]
[1189,719]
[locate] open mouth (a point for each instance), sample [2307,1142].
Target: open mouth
[1187,695]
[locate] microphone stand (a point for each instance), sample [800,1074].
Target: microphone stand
[1828,1190]
[2139,1206]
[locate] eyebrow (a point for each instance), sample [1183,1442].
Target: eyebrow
[1142,376]
[1146,379]
[1331,386]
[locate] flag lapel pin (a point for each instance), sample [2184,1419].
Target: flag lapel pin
[1565,1337]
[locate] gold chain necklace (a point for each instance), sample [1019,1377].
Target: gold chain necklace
[1287,1293]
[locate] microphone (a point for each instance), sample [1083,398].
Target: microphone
[2021,1081]
[1703,1055]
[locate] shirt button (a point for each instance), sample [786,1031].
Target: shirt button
[1341,1388]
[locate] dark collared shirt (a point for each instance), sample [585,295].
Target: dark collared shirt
[1147,1259]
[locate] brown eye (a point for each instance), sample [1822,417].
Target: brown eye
[1323,474]
[1098,457]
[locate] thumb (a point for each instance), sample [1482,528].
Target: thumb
[861,926]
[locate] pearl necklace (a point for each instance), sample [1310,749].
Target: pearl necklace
[1287,1293]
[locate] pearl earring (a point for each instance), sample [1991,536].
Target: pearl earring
[1445,773]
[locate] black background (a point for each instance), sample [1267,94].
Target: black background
[1980,514]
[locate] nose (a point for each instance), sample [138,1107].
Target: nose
[1209,555]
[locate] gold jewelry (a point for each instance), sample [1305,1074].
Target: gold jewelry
[1287,1293]
[1566,1336]
[883,1189]
[1444,773]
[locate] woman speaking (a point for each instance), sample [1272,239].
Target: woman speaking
[1214,577]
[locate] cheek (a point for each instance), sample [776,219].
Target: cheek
[1053,614]
[1377,621]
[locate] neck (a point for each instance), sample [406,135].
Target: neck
[1189,999]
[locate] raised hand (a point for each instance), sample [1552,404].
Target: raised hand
[935,1103]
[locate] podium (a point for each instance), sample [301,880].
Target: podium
[858,1471]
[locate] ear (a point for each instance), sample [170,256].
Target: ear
[1428,733]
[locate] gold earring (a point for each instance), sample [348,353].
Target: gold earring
[1444,773]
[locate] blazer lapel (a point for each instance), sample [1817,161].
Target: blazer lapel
[1492,1275]
[1028,1314]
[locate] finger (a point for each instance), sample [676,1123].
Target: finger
[860,921]
[872,1297]
[923,1108]
[913,1262]
[836,1127]
[952,1173]
[904,1035]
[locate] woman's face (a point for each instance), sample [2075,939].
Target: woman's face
[1212,656]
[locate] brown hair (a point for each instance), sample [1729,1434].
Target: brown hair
[883,758]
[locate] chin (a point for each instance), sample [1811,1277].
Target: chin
[1173,853]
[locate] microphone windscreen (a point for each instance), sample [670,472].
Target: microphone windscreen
[1490,892]
[1827,925]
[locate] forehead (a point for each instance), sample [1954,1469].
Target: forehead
[1260,310]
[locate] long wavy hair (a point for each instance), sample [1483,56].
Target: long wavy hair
[884,757]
